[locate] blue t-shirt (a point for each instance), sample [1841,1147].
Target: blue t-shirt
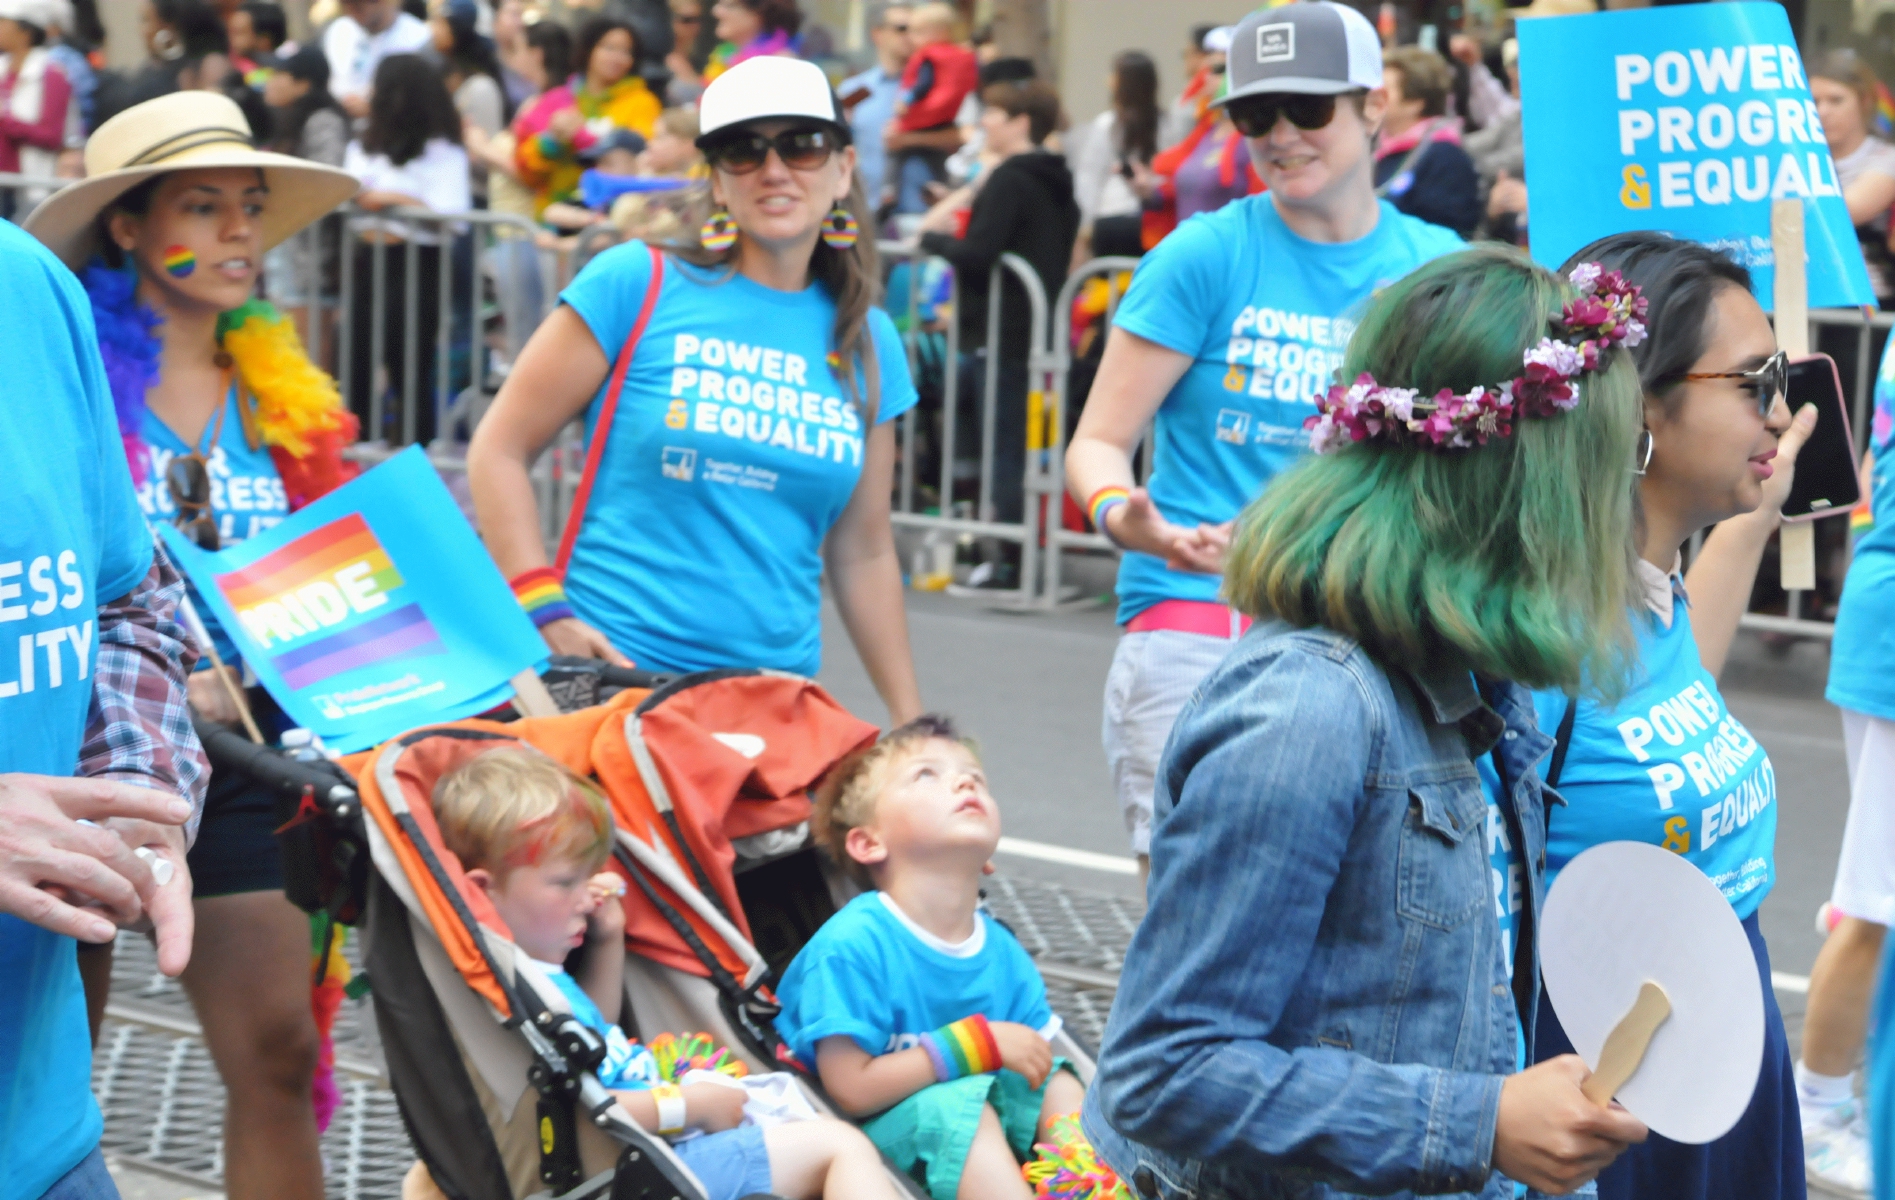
[874,975]
[628,1065]
[1507,873]
[1669,765]
[1862,661]
[1266,315]
[734,451]
[247,495]
[72,539]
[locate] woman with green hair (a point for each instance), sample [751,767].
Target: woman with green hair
[1353,1004]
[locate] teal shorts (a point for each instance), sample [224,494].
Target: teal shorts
[929,1134]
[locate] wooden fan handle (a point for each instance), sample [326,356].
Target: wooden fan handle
[1625,1046]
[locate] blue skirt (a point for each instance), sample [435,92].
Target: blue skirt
[1761,1158]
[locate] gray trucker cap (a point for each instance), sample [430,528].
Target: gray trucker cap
[1315,47]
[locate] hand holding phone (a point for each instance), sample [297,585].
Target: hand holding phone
[1827,481]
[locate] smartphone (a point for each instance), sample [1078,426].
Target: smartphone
[1828,482]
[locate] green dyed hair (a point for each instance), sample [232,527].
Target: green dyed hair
[1513,559]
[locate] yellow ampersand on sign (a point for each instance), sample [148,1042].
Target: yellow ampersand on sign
[1636,193]
[675,415]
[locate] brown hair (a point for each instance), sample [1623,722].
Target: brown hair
[853,277]
[1426,77]
[845,799]
[514,806]
[1038,101]
[1846,67]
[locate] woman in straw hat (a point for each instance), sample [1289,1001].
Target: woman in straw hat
[228,427]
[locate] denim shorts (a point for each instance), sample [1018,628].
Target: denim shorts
[731,1164]
[87,1181]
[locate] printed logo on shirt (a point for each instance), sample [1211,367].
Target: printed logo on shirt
[1233,426]
[1509,880]
[678,464]
[45,590]
[1697,751]
[244,505]
[1289,356]
[760,394]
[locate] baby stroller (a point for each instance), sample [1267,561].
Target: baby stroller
[708,776]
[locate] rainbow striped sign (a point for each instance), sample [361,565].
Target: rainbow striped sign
[371,611]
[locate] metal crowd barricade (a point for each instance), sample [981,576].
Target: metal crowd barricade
[910,504]
[1050,480]
[19,193]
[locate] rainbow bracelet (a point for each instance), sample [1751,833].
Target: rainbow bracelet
[1104,501]
[966,1047]
[540,594]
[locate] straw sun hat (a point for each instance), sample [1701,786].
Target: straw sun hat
[184,131]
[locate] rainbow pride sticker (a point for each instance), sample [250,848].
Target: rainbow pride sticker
[179,261]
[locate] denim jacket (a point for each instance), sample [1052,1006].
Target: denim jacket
[1315,1004]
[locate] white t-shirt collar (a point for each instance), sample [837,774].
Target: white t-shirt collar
[966,948]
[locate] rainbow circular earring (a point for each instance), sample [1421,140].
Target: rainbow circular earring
[839,229]
[719,232]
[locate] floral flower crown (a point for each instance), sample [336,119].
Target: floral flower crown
[1609,312]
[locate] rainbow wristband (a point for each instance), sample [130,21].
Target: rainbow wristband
[1104,501]
[966,1047]
[540,594]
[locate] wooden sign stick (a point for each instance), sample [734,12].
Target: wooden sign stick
[1625,1046]
[1796,543]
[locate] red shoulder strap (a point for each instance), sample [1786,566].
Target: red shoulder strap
[602,429]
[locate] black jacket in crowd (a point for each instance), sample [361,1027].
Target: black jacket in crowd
[1026,207]
[1445,189]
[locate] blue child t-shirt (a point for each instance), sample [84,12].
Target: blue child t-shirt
[72,539]
[1668,765]
[1862,661]
[874,975]
[1265,315]
[247,495]
[628,1065]
[734,451]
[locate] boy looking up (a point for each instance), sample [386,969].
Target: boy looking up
[920,1012]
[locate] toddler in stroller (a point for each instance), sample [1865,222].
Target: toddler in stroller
[532,836]
[919,1012]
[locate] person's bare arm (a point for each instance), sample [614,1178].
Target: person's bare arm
[1135,375]
[602,974]
[1725,569]
[1869,196]
[865,576]
[558,372]
[863,1083]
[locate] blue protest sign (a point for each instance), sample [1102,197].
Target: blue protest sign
[373,610]
[1689,119]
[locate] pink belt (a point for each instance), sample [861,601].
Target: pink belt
[1191,616]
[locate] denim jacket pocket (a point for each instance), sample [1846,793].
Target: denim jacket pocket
[1442,876]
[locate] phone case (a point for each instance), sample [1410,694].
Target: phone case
[1855,460]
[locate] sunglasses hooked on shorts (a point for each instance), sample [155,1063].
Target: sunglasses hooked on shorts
[800,149]
[1256,116]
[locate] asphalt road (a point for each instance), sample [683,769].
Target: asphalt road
[1028,688]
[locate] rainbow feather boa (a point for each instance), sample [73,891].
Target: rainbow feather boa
[676,1055]
[299,412]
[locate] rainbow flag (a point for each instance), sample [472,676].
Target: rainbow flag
[323,599]
[1882,122]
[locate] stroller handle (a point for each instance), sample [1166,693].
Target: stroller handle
[272,769]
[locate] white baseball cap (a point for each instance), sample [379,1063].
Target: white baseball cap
[768,88]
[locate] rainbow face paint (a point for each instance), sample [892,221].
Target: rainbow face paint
[179,262]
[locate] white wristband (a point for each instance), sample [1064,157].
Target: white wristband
[670,1100]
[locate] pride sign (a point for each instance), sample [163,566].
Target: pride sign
[323,601]
[371,611]
[1691,119]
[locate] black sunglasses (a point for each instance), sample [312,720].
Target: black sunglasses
[800,149]
[190,484]
[1769,381]
[1256,116]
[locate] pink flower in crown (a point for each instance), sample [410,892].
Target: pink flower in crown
[1399,403]
[1324,434]
[1634,329]
[1558,358]
[1585,314]
[1585,275]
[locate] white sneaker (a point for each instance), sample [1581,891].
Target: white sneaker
[1836,1151]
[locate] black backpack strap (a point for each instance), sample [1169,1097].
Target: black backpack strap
[1562,742]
